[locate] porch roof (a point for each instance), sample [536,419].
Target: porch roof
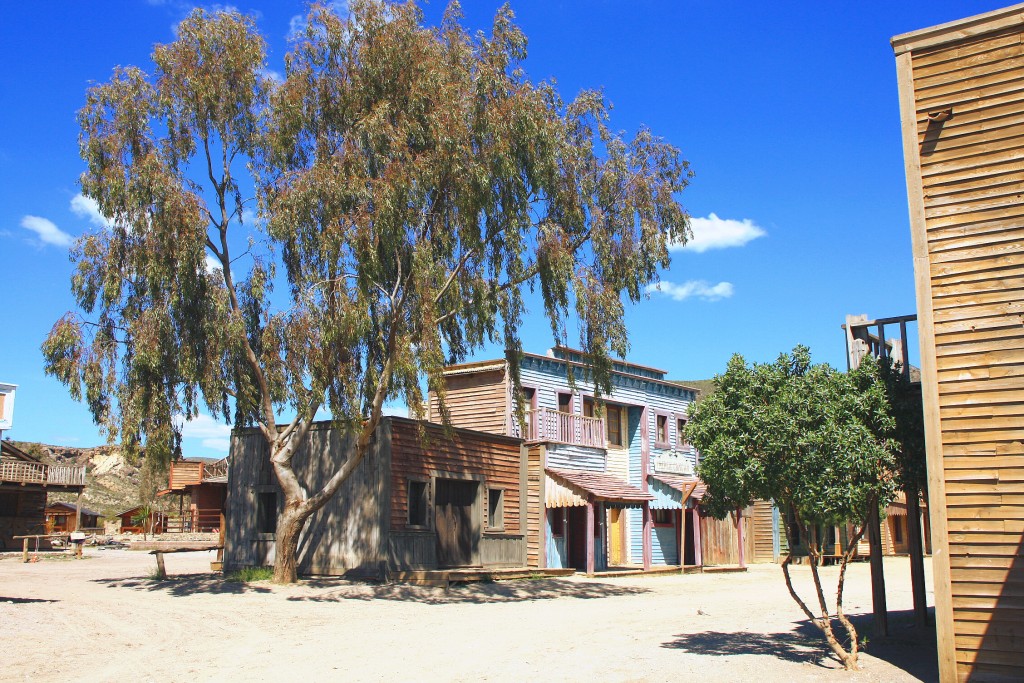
[571,488]
[688,487]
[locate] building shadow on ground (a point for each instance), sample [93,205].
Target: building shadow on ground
[907,647]
[182,585]
[472,593]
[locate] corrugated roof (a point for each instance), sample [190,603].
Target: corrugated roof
[73,508]
[597,486]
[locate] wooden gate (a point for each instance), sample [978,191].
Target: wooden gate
[457,534]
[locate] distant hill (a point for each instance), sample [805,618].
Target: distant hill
[706,387]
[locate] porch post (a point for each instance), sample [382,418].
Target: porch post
[681,520]
[877,573]
[590,537]
[740,538]
[647,536]
[78,510]
[916,556]
[698,555]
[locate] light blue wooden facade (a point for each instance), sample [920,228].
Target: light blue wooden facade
[644,394]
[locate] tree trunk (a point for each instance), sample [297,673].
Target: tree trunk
[286,543]
[916,551]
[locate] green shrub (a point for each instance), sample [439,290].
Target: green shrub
[250,574]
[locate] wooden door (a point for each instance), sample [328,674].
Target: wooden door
[615,535]
[454,501]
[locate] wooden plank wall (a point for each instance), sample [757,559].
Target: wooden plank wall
[475,401]
[29,517]
[534,504]
[965,178]
[719,540]
[761,522]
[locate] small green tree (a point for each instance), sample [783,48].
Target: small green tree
[413,187]
[815,441]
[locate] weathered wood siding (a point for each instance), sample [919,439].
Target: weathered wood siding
[965,176]
[475,401]
[568,457]
[764,542]
[496,462]
[346,536]
[719,539]
[535,518]
[21,513]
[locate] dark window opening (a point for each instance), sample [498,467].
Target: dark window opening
[661,430]
[557,523]
[495,508]
[588,407]
[897,530]
[418,503]
[613,425]
[9,504]
[266,512]
[564,403]
[681,433]
[662,517]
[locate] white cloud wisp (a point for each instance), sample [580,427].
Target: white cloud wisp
[719,233]
[700,289]
[87,208]
[211,434]
[47,231]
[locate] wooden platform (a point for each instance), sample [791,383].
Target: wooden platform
[724,569]
[637,571]
[445,577]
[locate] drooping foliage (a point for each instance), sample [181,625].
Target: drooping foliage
[412,186]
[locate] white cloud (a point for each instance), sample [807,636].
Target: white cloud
[275,76]
[220,445]
[719,233]
[693,288]
[86,207]
[203,426]
[47,231]
[212,264]
[396,410]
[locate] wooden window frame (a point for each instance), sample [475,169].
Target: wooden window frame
[607,426]
[665,443]
[558,401]
[425,504]
[500,526]
[668,513]
[263,492]
[681,443]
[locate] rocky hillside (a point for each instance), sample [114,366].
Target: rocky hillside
[112,483]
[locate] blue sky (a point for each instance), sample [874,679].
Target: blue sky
[787,112]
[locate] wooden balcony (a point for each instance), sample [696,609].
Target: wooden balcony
[19,472]
[195,521]
[545,424]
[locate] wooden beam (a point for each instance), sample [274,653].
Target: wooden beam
[740,538]
[916,551]
[648,527]
[877,574]
[698,555]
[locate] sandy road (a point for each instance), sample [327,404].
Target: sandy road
[104,619]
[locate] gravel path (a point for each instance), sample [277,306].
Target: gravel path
[104,619]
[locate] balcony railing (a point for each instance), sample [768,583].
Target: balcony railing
[545,424]
[20,472]
[199,520]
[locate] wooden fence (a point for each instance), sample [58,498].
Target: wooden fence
[546,424]
[37,473]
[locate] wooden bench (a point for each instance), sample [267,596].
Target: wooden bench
[161,572]
[25,539]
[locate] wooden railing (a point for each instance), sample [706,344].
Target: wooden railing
[545,424]
[38,473]
[195,521]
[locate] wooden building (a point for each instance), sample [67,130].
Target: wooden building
[24,484]
[132,522]
[423,498]
[66,517]
[961,91]
[205,484]
[621,462]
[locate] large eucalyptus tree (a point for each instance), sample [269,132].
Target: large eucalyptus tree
[412,186]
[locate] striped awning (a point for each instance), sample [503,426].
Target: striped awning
[898,507]
[574,488]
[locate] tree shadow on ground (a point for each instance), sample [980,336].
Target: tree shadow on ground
[907,647]
[24,601]
[181,585]
[462,593]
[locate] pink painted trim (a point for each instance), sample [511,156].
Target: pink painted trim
[590,537]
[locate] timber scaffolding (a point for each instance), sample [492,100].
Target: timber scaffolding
[862,343]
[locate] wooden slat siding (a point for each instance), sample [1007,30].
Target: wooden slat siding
[564,456]
[493,460]
[502,551]
[966,192]
[184,473]
[534,505]
[29,517]
[719,539]
[475,401]
[763,539]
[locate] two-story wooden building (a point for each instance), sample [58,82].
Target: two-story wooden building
[611,481]
[24,483]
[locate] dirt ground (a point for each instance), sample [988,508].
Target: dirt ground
[104,619]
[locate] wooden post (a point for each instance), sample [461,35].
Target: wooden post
[161,572]
[24,550]
[681,518]
[648,527]
[590,538]
[877,573]
[916,551]
[223,537]
[78,511]
[698,556]
[740,538]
